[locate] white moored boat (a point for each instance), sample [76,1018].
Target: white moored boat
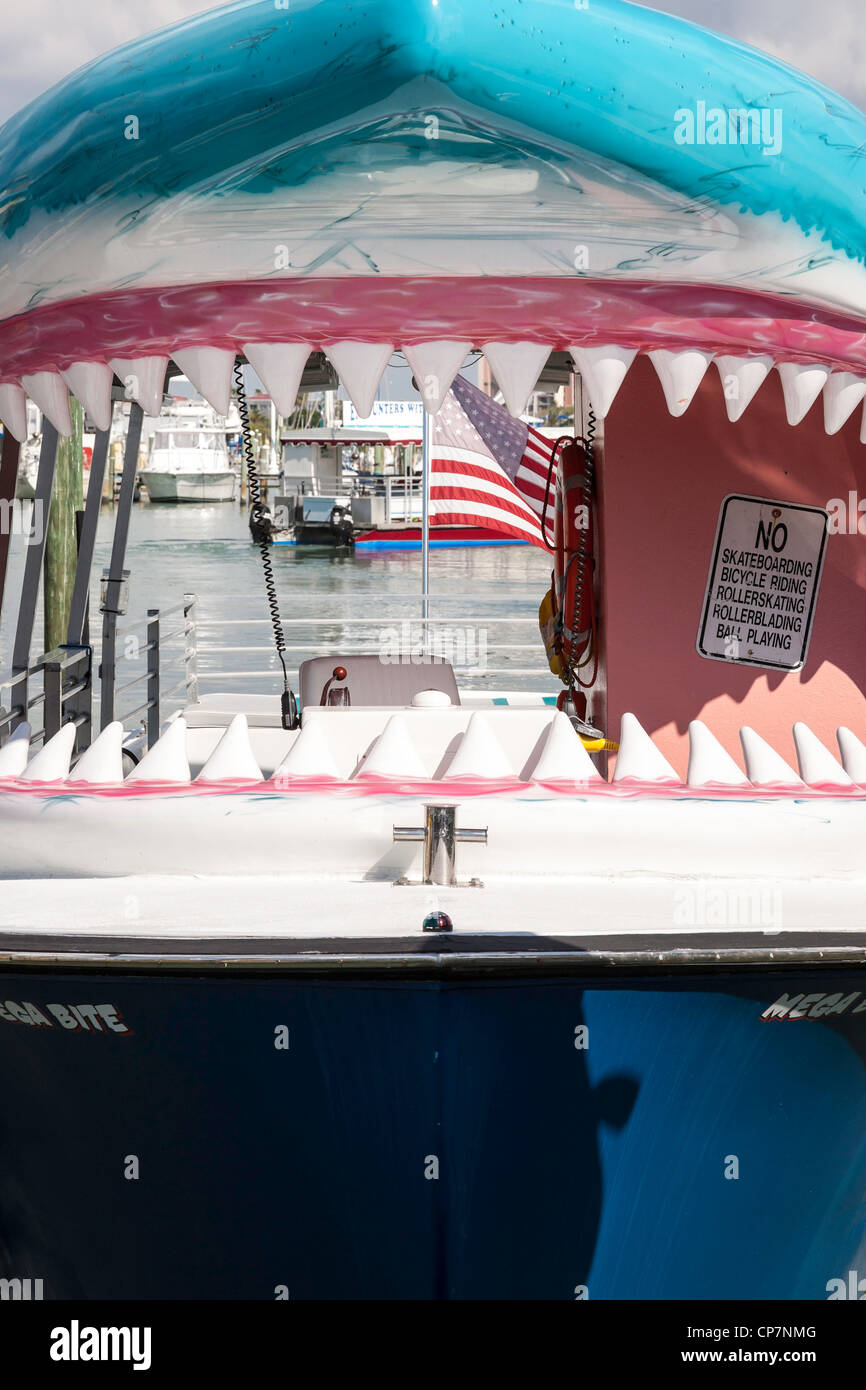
[189,462]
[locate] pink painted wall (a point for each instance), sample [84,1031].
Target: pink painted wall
[664,481]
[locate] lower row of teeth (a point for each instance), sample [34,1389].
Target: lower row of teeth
[479,753]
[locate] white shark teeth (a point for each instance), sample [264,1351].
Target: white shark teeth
[166,761]
[13,410]
[393,754]
[853,755]
[103,760]
[709,763]
[603,369]
[360,367]
[516,367]
[13,754]
[479,753]
[91,382]
[309,755]
[818,767]
[638,756]
[280,367]
[142,379]
[680,374]
[210,371]
[742,378]
[434,367]
[764,766]
[802,384]
[232,760]
[843,393]
[49,392]
[51,763]
[563,757]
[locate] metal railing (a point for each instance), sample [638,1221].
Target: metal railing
[486,648]
[64,695]
[67,690]
[402,496]
[150,652]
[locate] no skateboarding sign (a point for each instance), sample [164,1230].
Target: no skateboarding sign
[763,583]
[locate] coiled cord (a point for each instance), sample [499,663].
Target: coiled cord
[288,702]
[579,558]
[554,450]
[574,667]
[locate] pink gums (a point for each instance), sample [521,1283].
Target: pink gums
[386,788]
[411,310]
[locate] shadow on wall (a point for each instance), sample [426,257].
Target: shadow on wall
[665,480]
[522,1195]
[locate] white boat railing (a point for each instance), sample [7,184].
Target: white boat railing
[123,644]
[62,679]
[72,683]
[168,655]
[494,645]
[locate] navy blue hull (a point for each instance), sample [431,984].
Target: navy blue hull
[429,1139]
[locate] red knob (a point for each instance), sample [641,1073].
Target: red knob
[340,673]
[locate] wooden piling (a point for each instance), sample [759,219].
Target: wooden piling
[61,549]
[9,459]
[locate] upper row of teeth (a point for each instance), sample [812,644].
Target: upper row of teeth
[516,367]
[478,754]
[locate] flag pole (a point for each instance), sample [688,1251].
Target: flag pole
[425,517]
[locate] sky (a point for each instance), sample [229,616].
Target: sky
[43,40]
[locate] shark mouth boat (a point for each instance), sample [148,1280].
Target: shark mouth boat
[429,995]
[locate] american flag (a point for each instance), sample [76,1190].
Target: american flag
[488,469]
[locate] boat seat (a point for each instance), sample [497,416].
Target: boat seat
[372,681]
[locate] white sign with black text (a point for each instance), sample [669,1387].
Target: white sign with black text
[763,583]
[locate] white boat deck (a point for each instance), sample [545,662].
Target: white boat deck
[347,910]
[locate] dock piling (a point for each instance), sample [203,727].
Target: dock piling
[8,479]
[60,547]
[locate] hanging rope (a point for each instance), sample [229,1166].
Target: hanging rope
[288,703]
